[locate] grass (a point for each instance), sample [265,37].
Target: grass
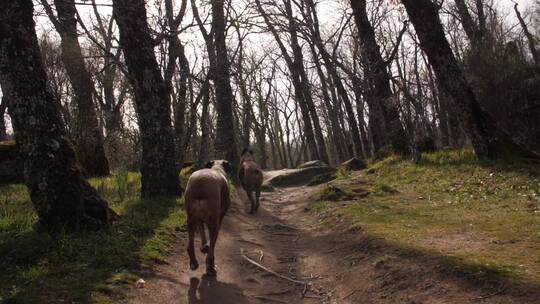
[480,215]
[83,268]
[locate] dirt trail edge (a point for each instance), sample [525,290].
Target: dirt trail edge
[306,262]
[269,238]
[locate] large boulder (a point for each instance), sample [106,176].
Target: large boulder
[295,177]
[11,166]
[354,164]
[312,163]
[322,178]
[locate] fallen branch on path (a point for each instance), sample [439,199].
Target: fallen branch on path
[270,271]
[270,299]
[250,242]
[276,293]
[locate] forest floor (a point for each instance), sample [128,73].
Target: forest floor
[449,230]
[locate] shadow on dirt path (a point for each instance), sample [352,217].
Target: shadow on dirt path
[337,265]
[265,238]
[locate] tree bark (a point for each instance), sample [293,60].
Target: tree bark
[61,196]
[378,80]
[305,85]
[152,102]
[3,107]
[225,145]
[88,133]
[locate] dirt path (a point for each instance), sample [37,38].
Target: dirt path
[339,265]
[270,238]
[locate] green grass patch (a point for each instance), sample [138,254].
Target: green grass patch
[83,268]
[485,215]
[333,193]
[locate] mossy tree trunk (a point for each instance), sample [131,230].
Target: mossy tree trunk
[60,195]
[89,136]
[152,101]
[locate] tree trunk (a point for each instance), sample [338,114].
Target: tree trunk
[378,80]
[88,133]
[487,139]
[225,145]
[305,85]
[3,107]
[59,193]
[152,103]
[202,157]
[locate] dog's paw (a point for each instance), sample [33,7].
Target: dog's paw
[205,249]
[193,265]
[211,271]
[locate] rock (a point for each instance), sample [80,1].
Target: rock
[312,163]
[267,187]
[321,179]
[354,164]
[295,177]
[11,166]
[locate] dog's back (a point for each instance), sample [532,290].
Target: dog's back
[252,175]
[204,191]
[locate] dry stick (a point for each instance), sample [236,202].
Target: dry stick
[250,242]
[245,257]
[262,255]
[276,293]
[350,294]
[270,299]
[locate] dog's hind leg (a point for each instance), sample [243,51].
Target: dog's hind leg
[204,242]
[192,227]
[213,231]
[257,198]
[249,193]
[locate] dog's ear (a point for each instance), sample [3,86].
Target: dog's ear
[209,164]
[226,166]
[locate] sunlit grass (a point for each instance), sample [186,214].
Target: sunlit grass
[83,268]
[470,212]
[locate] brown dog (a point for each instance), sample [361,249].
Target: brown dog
[207,200]
[251,177]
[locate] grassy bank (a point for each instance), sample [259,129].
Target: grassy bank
[37,268]
[484,216]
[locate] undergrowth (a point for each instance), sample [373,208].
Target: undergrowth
[83,268]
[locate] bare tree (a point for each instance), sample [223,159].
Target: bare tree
[152,102]
[89,135]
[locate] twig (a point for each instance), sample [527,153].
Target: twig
[245,257]
[262,255]
[350,294]
[270,299]
[250,242]
[489,295]
[276,293]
